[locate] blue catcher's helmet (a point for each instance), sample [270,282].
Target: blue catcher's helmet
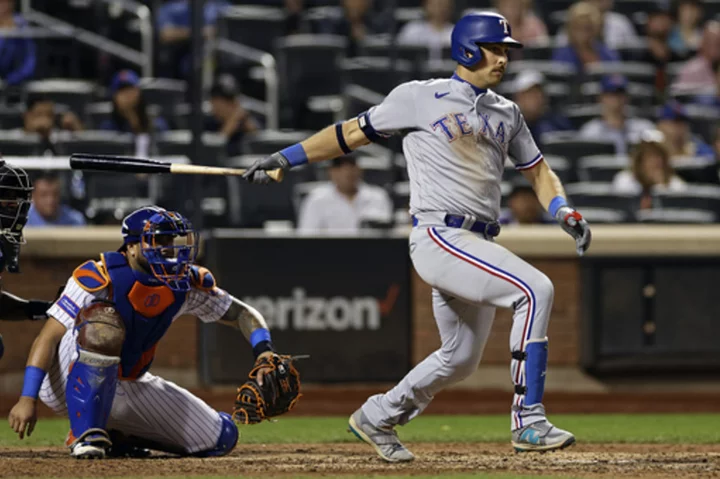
[157,230]
[477,28]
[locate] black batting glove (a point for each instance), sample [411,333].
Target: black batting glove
[256,173]
[575,225]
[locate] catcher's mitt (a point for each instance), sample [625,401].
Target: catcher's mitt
[278,394]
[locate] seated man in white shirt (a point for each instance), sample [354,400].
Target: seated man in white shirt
[615,125]
[345,205]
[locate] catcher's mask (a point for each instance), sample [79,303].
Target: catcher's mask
[15,196]
[167,242]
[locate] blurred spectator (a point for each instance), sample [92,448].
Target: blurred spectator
[614,125]
[346,204]
[40,116]
[616,30]
[47,208]
[685,37]
[657,30]
[527,28]
[296,20]
[528,93]
[698,75]
[358,21]
[17,55]
[674,123]
[228,115]
[130,112]
[523,206]
[173,24]
[650,171]
[434,31]
[710,97]
[584,24]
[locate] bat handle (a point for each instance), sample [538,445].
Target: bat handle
[276,175]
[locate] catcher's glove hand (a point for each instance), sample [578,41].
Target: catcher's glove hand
[274,394]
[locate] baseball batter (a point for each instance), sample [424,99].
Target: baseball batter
[91,360]
[457,136]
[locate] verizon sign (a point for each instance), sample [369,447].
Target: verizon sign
[343,301]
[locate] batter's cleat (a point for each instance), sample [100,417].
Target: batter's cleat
[541,437]
[384,440]
[92,444]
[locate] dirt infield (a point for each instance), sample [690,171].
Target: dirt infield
[605,460]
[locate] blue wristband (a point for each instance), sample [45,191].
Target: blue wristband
[295,154]
[259,335]
[33,380]
[556,203]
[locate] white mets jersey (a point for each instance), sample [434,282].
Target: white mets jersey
[457,138]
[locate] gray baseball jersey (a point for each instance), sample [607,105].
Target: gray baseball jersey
[459,137]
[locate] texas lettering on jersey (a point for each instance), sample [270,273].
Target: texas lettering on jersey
[456,125]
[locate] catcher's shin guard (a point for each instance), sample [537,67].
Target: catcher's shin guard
[90,392]
[226,442]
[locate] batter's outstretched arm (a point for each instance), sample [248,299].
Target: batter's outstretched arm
[329,143]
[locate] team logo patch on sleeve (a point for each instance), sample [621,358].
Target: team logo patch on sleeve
[68,305]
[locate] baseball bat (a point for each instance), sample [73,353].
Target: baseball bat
[131,164]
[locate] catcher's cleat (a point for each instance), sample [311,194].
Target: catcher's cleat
[92,444]
[384,441]
[122,446]
[542,437]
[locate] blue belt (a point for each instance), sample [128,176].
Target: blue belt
[456,221]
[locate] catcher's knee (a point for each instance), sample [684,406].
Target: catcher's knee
[100,329]
[226,442]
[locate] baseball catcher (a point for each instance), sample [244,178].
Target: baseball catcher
[91,362]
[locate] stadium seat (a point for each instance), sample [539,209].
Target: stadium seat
[376,74]
[701,197]
[573,149]
[601,168]
[553,71]
[639,94]
[11,117]
[636,72]
[166,93]
[697,171]
[178,143]
[401,195]
[261,203]
[96,141]
[19,143]
[76,94]
[675,215]
[252,25]
[596,215]
[381,46]
[98,112]
[600,195]
[358,99]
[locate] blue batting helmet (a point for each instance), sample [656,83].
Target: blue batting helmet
[167,241]
[477,28]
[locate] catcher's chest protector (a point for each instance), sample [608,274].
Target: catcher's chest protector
[147,309]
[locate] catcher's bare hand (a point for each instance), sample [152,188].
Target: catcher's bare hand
[23,416]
